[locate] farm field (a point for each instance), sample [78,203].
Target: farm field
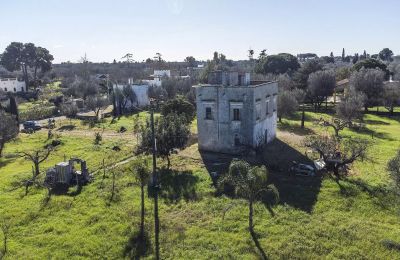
[315,218]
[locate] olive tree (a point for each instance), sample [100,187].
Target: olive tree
[320,86]
[370,82]
[347,111]
[287,104]
[96,104]
[391,96]
[171,132]
[338,153]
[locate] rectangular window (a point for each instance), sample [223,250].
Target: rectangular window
[258,111]
[5,89]
[236,114]
[208,113]
[267,107]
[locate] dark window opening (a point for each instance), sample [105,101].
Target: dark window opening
[15,90]
[237,140]
[236,114]
[267,108]
[5,89]
[208,113]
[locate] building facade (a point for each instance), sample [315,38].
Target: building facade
[12,85]
[141,92]
[235,113]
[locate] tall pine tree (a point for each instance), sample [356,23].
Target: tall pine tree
[343,54]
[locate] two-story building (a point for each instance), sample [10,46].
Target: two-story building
[12,85]
[235,113]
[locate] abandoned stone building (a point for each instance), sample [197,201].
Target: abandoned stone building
[235,113]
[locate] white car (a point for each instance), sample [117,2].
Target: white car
[300,169]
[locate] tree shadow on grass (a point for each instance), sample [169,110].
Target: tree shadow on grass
[177,185]
[376,122]
[4,162]
[138,246]
[352,187]
[66,128]
[296,191]
[295,128]
[372,133]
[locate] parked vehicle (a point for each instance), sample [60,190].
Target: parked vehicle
[301,169]
[32,125]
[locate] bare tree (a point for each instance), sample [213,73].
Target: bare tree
[36,157]
[347,111]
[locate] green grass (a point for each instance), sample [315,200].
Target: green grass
[315,219]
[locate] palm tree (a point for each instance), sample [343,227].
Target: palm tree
[140,169]
[250,183]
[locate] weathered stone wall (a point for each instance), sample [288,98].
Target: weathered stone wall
[218,133]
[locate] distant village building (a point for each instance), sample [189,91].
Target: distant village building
[12,85]
[235,113]
[141,91]
[156,79]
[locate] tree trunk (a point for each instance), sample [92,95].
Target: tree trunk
[280,119]
[25,72]
[37,169]
[142,212]
[252,233]
[302,117]
[336,131]
[5,242]
[326,104]
[168,163]
[34,75]
[1,149]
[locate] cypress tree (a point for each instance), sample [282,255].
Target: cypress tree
[14,108]
[343,54]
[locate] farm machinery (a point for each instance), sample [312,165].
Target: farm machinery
[64,174]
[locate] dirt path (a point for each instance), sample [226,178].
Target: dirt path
[90,133]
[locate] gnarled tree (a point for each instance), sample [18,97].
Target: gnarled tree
[336,153]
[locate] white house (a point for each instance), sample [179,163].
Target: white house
[141,92]
[156,78]
[12,85]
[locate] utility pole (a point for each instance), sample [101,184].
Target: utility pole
[155,184]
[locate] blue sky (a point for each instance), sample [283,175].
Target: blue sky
[108,29]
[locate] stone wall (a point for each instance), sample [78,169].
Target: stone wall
[221,133]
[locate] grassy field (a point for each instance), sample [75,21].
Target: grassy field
[316,218]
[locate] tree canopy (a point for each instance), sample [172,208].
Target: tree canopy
[22,56]
[179,106]
[370,82]
[278,64]
[386,54]
[371,64]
